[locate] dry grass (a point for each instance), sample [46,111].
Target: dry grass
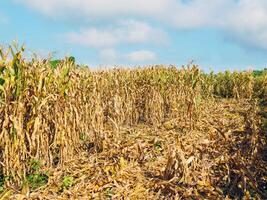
[144,133]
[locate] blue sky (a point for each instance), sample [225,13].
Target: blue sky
[216,34]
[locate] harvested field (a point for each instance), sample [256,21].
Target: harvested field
[145,133]
[220,158]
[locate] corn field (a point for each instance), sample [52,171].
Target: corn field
[158,132]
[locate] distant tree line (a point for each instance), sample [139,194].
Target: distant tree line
[54,63]
[259,72]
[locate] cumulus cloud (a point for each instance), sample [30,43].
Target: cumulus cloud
[109,55]
[123,32]
[92,37]
[97,8]
[112,56]
[248,22]
[245,20]
[141,56]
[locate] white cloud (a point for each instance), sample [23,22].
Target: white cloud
[92,37]
[123,32]
[245,20]
[140,56]
[248,22]
[114,57]
[108,55]
[97,8]
[175,12]
[3,19]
